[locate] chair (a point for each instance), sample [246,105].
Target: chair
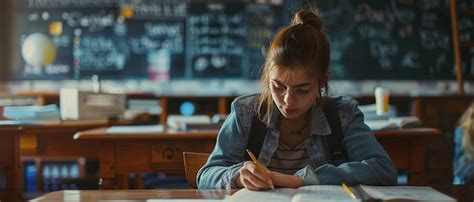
[192,163]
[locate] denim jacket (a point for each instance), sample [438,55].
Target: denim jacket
[463,167]
[367,162]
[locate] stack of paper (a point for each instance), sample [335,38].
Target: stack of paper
[47,112]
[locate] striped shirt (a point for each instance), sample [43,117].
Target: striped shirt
[288,160]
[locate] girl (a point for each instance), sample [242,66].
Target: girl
[294,93]
[464,148]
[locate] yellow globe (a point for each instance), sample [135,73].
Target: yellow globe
[38,50]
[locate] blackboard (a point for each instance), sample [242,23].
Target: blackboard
[198,39]
[167,39]
[389,39]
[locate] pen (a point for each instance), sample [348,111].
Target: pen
[260,167]
[348,190]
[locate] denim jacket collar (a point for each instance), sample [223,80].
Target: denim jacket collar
[319,122]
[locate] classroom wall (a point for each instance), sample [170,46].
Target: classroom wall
[4,38]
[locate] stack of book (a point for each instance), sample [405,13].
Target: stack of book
[31,113]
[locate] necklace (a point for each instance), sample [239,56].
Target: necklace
[298,132]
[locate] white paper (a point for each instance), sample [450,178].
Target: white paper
[377,125]
[183,200]
[138,129]
[277,195]
[325,193]
[418,193]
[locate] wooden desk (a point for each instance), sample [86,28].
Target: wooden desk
[9,163]
[140,195]
[460,193]
[407,148]
[136,153]
[54,142]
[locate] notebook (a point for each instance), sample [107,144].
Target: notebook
[331,193]
[324,193]
[402,193]
[393,123]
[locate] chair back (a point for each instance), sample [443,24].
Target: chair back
[192,163]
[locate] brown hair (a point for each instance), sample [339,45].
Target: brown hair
[467,124]
[302,44]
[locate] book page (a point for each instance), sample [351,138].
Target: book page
[183,200]
[378,125]
[406,121]
[277,195]
[326,193]
[418,193]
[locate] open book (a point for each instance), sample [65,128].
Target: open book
[393,123]
[330,193]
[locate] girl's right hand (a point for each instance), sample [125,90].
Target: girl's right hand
[252,178]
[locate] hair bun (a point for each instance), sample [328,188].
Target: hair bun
[308,17]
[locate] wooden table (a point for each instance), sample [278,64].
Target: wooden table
[9,164]
[56,139]
[408,149]
[140,153]
[136,195]
[54,142]
[162,152]
[460,193]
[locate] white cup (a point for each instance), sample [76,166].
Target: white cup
[381,101]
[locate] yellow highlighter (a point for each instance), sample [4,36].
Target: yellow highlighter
[348,190]
[260,167]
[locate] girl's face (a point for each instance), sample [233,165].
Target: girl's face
[293,91]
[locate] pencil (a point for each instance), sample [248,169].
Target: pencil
[348,190]
[260,167]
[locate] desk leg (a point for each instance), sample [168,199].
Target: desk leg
[139,181]
[10,163]
[106,165]
[417,163]
[17,173]
[121,181]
